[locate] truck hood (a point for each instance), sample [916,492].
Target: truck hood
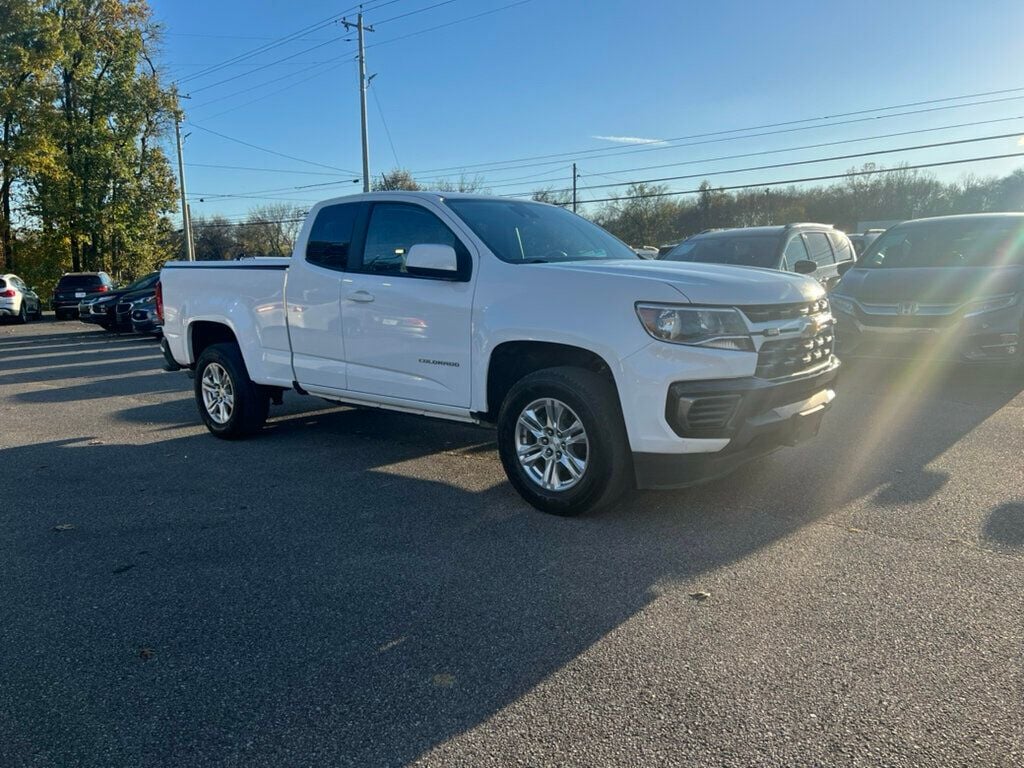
[929,285]
[708,283]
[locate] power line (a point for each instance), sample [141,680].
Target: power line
[449,24]
[269,151]
[384,122]
[254,168]
[664,144]
[819,145]
[270,64]
[794,163]
[276,91]
[277,42]
[809,179]
[414,12]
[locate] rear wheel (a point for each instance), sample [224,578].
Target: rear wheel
[231,404]
[562,441]
[23,313]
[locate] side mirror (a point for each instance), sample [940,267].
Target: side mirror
[845,267]
[805,267]
[432,260]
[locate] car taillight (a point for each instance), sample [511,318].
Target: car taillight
[159,303]
[103,289]
[8,294]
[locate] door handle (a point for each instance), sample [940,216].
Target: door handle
[362,296]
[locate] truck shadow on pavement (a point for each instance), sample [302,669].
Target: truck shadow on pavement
[356,587]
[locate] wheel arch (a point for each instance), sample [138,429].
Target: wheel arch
[510,361]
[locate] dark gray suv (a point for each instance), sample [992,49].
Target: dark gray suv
[819,250]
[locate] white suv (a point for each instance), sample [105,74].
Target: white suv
[18,300]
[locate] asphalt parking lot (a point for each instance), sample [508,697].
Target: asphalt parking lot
[363,588]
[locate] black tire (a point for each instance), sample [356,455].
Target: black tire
[22,313]
[251,402]
[593,400]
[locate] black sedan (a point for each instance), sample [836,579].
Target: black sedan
[112,310]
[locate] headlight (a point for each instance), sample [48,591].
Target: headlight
[698,326]
[991,304]
[843,304]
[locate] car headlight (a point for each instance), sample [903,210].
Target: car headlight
[698,326]
[991,304]
[843,304]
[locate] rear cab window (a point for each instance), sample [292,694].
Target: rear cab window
[331,237]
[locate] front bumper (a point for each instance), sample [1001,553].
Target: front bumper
[765,415]
[990,337]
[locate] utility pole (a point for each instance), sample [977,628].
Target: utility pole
[186,216]
[574,177]
[363,83]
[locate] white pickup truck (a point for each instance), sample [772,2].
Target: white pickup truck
[599,369]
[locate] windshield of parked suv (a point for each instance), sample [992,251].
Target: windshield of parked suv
[519,232]
[950,243]
[741,250]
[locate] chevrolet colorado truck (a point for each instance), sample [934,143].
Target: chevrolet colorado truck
[599,369]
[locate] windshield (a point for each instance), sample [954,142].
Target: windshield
[951,243]
[741,250]
[142,283]
[519,232]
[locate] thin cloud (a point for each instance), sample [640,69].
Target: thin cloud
[629,139]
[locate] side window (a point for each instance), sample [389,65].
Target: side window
[820,250]
[842,246]
[394,228]
[795,251]
[330,239]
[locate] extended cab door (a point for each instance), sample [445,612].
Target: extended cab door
[408,336]
[314,291]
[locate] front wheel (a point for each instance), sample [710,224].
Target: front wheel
[231,404]
[562,440]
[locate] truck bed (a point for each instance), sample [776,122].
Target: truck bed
[247,294]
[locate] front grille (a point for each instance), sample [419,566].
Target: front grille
[788,357]
[711,412]
[768,313]
[122,307]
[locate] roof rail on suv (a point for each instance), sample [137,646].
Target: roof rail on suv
[796,224]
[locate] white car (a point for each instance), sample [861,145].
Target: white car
[19,301]
[600,370]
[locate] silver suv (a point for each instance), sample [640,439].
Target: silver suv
[819,250]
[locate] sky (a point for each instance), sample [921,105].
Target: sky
[585,80]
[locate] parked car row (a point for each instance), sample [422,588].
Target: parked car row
[954,281]
[114,309]
[94,297]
